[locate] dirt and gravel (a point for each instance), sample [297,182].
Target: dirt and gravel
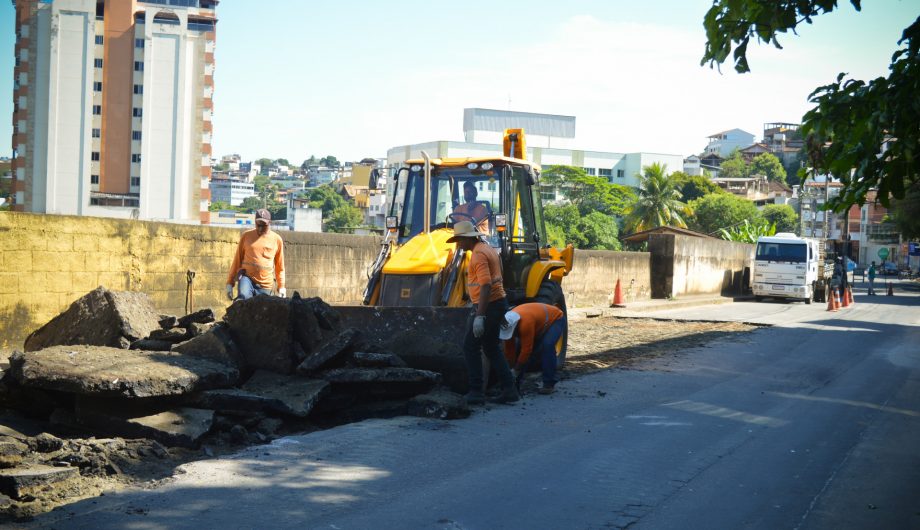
[114,463]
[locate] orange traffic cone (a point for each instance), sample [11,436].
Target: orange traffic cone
[618,296]
[832,303]
[850,295]
[890,289]
[844,299]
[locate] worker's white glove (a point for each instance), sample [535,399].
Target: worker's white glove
[479,326]
[229,292]
[282,292]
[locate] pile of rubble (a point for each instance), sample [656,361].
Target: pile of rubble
[110,366]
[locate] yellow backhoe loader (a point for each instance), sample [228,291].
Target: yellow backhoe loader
[416,300]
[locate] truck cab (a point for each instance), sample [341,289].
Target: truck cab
[786,266]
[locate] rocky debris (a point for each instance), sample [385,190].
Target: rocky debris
[169,335]
[23,482]
[99,318]
[45,443]
[202,316]
[440,404]
[11,451]
[151,345]
[335,348]
[261,326]
[195,329]
[216,344]
[381,381]
[168,321]
[377,360]
[104,371]
[182,427]
[269,393]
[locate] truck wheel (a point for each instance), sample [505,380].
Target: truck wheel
[550,292]
[758,299]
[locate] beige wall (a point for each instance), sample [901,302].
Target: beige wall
[683,265]
[48,261]
[594,276]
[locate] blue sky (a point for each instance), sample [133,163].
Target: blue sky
[354,78]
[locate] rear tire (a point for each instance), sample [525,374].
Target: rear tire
[758,299]
[550,292]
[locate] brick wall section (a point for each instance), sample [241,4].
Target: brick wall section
[48,261]
[594,276]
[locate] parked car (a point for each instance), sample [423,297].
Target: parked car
[888,269]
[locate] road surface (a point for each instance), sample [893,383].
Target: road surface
[813,422]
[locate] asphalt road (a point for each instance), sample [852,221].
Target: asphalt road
[811,423]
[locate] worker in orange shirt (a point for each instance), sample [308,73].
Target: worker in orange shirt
[531,332]
[484,284]
[476,212]
[259,256]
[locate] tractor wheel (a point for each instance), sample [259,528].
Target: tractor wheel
[550,292]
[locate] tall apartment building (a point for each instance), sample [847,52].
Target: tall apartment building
[112,108]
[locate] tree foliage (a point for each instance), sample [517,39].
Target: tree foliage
[589,193]
[694,186]
[329,161]
[264,162]
[565,224]
[768,165]
[338,214]
[658,201]
[906,213]
[853,121]
[282,162]
[734,166]
[748,232]
[781,215]
[721,210]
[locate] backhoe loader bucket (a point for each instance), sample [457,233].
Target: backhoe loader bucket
[427,338]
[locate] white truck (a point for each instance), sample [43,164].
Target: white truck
[786,266]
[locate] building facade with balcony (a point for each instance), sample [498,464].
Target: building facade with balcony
[112,108]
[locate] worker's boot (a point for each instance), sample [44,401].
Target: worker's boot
[475,398]
[508,395]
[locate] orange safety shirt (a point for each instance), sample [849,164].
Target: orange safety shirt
[478,212]
[484,269]
[261,257]
[536,318]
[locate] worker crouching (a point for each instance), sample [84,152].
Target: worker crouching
[530,334]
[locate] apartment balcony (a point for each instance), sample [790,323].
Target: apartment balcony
[883,233]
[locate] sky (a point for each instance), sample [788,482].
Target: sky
[355,78]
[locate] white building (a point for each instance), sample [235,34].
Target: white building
[231,191]
[617,168]
[112,108]
[723,143]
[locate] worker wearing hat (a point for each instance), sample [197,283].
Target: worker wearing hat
[484,284]
[259,256]
[531,332]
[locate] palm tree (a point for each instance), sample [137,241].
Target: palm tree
[658,201]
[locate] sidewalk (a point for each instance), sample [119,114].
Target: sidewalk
[640,307]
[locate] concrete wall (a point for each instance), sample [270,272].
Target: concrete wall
[48,261]
[682,265]
[594,276]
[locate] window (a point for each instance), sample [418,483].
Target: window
[136,181]
[97,63]
[621,173]
[95,156]
[97,86]
[136,158]
[98,39]
[135,135]
[589,171]
[604,172]
[97,133]
[97,110]
[139,43]
[137,112]
[138,89]
[138,66]
[94,179]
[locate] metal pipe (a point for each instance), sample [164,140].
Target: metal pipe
[427,194]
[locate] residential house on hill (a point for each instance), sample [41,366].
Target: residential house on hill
[723,143]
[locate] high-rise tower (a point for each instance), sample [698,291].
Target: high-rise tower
[112,107]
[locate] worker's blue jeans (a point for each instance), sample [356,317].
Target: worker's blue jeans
[487,344]
[246,289]
[546,351]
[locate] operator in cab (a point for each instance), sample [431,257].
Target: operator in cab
[476,212]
